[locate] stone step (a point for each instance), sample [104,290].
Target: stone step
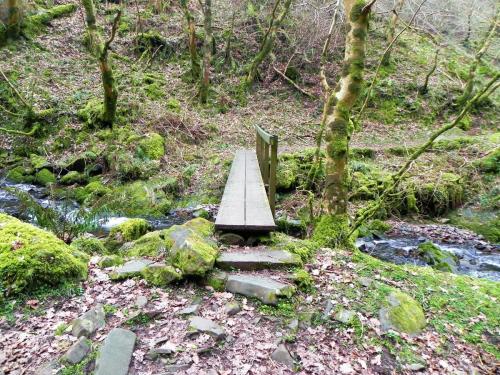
[130,269]
[115,353]
[264,288]
[250,260]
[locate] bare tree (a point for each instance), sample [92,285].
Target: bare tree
[207,49]
[391,30]
[191,31]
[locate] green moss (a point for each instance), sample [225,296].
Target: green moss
[92,112]
[45,177]
[303,280]
[32,24]
[303,248]
[161,274]
[154,90]
[403,313]
[332,231]
[127,231]
[20,175]
[489,163]
[110,261]
[437,258]
[152,146]
[92,190]
[173,105]
[287,174]
[483,222]
[201,226]
[89,245]
[38,162]
[73,177]
[31,258]
[374,226]
[217,280]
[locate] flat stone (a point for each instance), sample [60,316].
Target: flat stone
[199,324]
[282,355]
[115,353]
[257,259]
[416,367]
[130,269]
[49,368]
[231,239]
[192,308]
[89,322]
[264,288]
[141,301]
[77,352]
[172,369]
[365,281]
[328,309]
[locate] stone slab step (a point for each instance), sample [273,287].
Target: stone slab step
[115,353]
[264,288]
[250,260]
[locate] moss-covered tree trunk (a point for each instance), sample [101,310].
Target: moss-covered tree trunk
[191,30]
[207,51]
[268,40]
[391,29]
[92,36]
[11,16]
[337,117]
[484,45]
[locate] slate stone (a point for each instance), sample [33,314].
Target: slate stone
[257,259]
[401,313]
[172,369]
[264,288]
[89,322]
[328,309]
[191,309]
[141,301]
[115,353]
[282,355]
[345,316]
[50,368]
[77,352]
[130,269]
[199,324]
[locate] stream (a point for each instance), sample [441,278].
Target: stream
[477,257]
[10,204]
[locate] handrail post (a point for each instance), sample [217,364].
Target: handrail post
[272,175]
[266,146]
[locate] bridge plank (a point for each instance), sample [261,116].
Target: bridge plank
[244,205]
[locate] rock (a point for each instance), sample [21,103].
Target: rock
[152,146]
[45,177]
[232,239]
[415,367]
[282,355]
[328,309]
[191,309]
[32,258]
[89,245]
[115,353]
[232,308]
[257,259]
[199,324]
[365,281]
[77,352]
[265,289]
[201,213]
[161,274]
[110,261]
[131,269]
[345,316]
[402,313]
[217,280]
[50,368]
[294,325]
[290,226]
[154,353]
[129,230]
[439,259]
[73,177]
[172,369]
[89,322]
[346,368]
[141,301]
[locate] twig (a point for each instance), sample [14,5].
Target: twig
[283,75]
[112,36]
[19,132]
[15,91]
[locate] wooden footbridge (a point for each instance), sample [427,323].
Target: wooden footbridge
[248,202]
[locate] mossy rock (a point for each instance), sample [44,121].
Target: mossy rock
[110,261]
[439,259]
[303,280]
[287,174]
[92,190]
[73,177]
[483,222]
[21,175]
[201,226]
[152,146]
[332,231]
[31,258]
[161,275]
[127,231]
[129,168]
[89,245]
[92,113]
[489,163]
[45,177]
[151,244]
[303,248]
[38,162]
[376,226]
[402,313]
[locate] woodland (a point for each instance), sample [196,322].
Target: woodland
[121,128]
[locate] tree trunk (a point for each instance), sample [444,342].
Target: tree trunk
[337,121]
[391,30]
[11,17]
[207,51]
[195,61]
[93,40]
[485,43]
[268,40]
[425,86]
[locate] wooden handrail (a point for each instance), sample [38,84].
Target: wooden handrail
[266,148]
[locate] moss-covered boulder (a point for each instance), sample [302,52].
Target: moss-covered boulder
[152,146]
[21,174]
[45,177]
[73,177]
[38,162]
[89,245]
[201,226]
[439,259]
[110,261]
[287,174]
[483,222]
[127,231]
[376,226]
[160,274]
[332,231]
[31,258]
[92,190]
[489,163]
[401,313]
